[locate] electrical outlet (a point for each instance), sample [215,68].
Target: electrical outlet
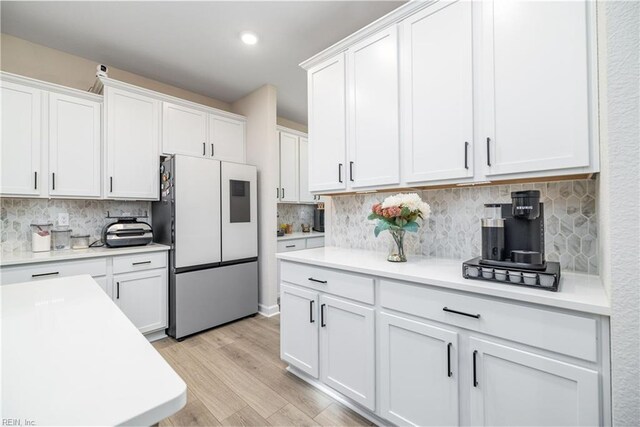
[63,219]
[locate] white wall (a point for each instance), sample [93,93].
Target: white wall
[619,196]
[259,107]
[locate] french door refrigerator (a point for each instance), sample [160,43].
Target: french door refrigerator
[207,213]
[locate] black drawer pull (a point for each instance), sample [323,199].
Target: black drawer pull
[311,279]
[35,180]
[53,179]
[462,313]
[449,373]
[141,263]
[204,148]
[322,324]
[117,290]
[55,273]
[339,172]
[311,319]
[488,151]
[475,376]
[290,246]
[466,155]
[351,172]
[213,151]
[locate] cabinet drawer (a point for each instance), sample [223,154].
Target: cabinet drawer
[569,334]
[291,245]
[347,285]
[148,261]
[315,242]
[28,272]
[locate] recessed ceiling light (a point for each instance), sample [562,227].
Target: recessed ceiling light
[249,38]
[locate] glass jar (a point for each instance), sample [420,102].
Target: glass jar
[61,239]
[41,237]
[80,241]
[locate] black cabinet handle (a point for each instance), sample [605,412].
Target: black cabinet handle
[213,150]
[277,192]
[283,192]
[322,324]
[204,148]
[311,319]
[117,290]
[488,151]
[141,263]
[110,184]
[339,172]
[466,155]
[351,171]
[449,373]
[462,313]
[311,279]
[35,180]
[475,375]
[55,273]
[290,246]
[53,179]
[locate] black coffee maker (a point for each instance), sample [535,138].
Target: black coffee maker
[513,244]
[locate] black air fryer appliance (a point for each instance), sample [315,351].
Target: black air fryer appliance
[513,245]
[318,219]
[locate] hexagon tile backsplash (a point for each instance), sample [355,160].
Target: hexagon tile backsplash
[85,217]
[453,230]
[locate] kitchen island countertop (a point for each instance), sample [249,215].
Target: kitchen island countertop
[578,292]
[71,357]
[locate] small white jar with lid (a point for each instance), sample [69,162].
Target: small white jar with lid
[41,237]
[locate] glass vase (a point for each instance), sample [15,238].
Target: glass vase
[397,250]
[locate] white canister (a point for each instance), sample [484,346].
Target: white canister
[41,237]
[530,278]
[501,275]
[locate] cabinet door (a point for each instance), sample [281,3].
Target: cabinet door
[513,387]
[288,167]
[103,282]
[374,143]
[537,85]
[303,150]
[184,130]
[347,349]
[437,93]
[418,372]
[142,296]
[74,146]
[327,125]
[21,140]
[226,139]
[132,139]
[299,328]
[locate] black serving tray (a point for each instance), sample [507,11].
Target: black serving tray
[547,279]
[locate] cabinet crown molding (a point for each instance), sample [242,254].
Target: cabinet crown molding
[292,131]
[390,18]
[47,86]
[107,82]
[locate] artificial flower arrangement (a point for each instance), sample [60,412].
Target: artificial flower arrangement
[398,214]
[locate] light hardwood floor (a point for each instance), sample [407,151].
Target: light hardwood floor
[235,377]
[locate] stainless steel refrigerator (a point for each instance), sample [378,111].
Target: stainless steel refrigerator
[207,213]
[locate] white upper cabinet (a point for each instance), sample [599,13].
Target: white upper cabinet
[227,139]
[437,93]
[21,142]
[74,146]
[327,125]
[288,167]
[303,151]
[132,124]
[184,130]
[374,139]
[537,85]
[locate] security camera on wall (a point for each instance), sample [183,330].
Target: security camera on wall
[102,70]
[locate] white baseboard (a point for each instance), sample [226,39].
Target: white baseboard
[268,311]
[365,413]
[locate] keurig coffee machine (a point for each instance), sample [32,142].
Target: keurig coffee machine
[513,245]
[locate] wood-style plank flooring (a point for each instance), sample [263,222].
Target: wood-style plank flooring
[235,377]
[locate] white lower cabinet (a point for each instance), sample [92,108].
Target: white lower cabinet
[347,349]
[299,328]
[415,355]
[418,371]
[512,387]
[142,296]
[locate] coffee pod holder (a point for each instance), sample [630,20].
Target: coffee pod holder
[547,279]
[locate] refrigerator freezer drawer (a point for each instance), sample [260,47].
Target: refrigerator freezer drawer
[206,298]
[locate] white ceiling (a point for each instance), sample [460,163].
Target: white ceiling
[196,45]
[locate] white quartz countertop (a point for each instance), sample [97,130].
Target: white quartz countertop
[71,357]
[579,292]
[17,258]
[300,235]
